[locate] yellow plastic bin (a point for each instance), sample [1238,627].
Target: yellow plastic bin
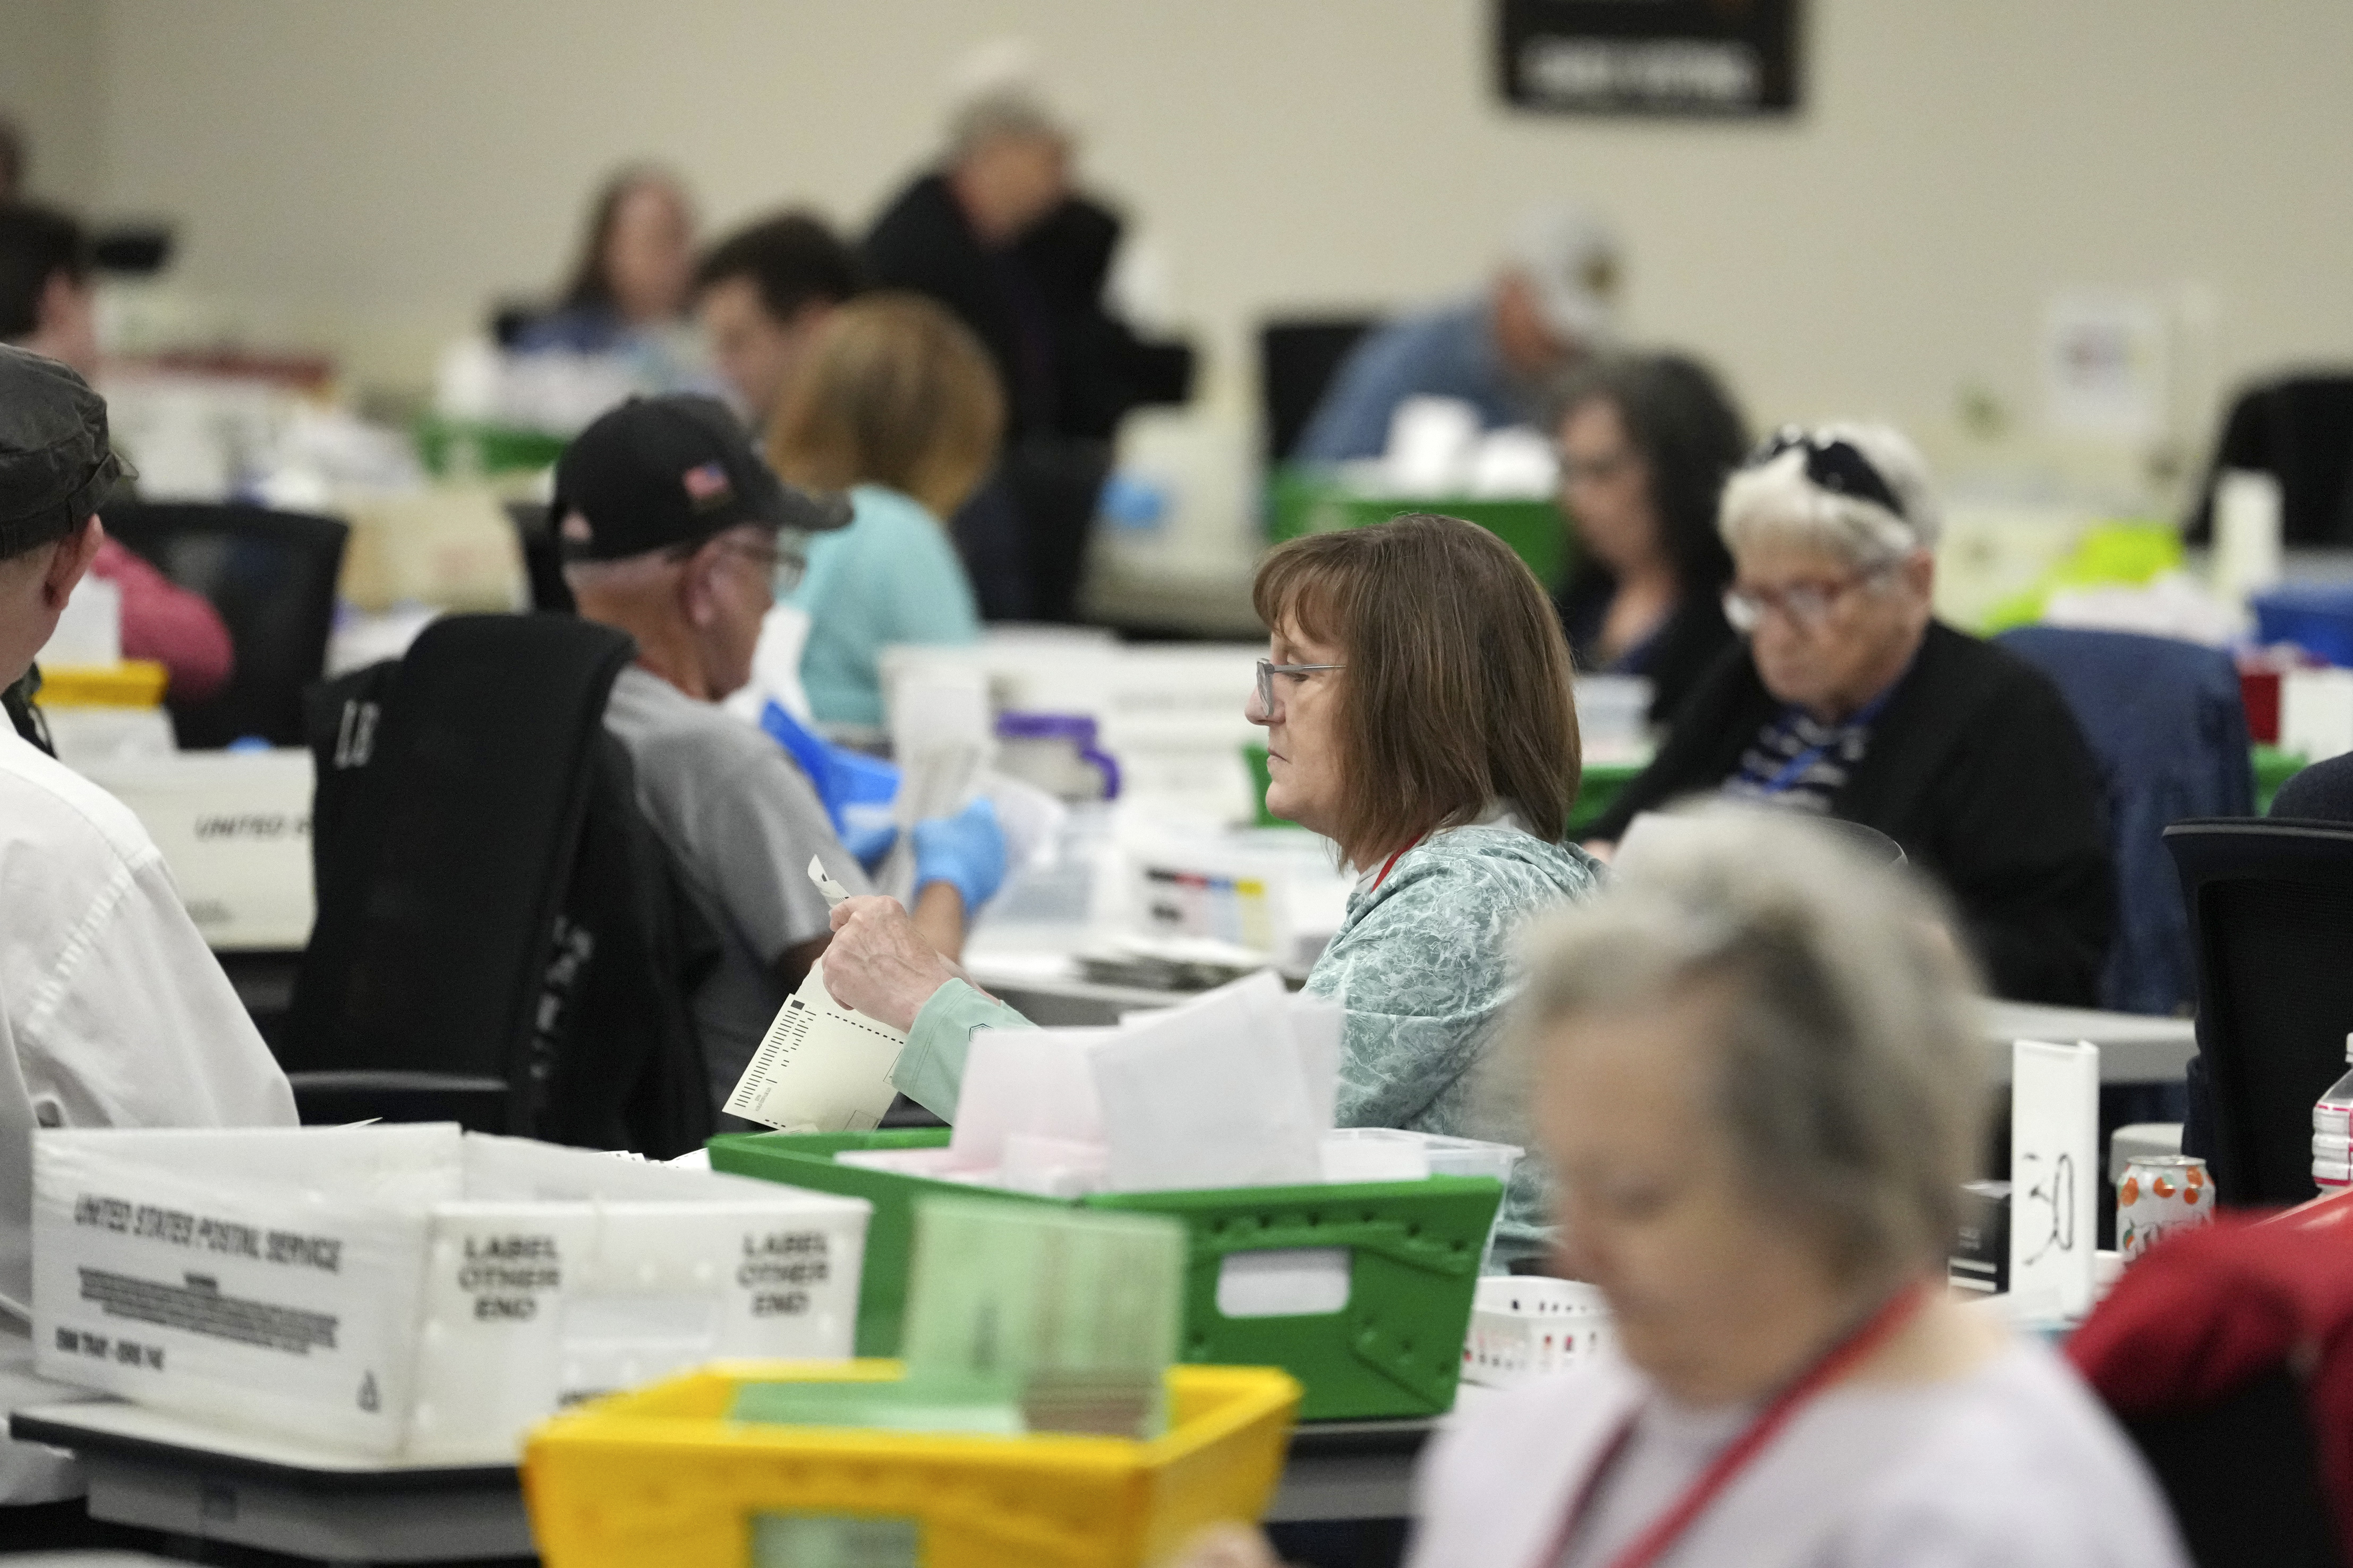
[134,683]
[662,1475]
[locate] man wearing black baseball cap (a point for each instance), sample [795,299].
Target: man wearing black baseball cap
[675,532]
[114,1012]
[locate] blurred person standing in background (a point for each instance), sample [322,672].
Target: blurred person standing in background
[48,305]
[1552,304]
[999,235]
[762,295]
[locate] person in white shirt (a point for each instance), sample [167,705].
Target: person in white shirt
[112,1011]
[1754,1067]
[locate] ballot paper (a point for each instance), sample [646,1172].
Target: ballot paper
[821,1067]
[1215,1093]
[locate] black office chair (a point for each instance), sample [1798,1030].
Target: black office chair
[494,942]
[2299,429]
[1297,358]
[543,562]
[2271,922]
[272,575]
[2243,1474]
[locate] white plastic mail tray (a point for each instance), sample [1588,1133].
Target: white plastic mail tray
[235,828]
[413,1292]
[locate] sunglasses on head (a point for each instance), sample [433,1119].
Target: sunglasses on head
[1835,464]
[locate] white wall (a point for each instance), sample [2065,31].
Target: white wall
[370,172]
[50,81]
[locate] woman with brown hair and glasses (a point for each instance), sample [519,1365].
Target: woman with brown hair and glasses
[1850,700]
[1418,710]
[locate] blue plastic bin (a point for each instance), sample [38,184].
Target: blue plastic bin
[2316,617]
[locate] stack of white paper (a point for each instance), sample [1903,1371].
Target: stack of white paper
[1235,1088]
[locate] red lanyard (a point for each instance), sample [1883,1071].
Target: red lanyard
[1390,864]
[1653,1542]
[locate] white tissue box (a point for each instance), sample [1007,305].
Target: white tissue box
[410,1292]
[1525,1326]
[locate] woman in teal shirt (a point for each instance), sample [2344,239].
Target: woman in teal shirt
[1418,710]
[899,406]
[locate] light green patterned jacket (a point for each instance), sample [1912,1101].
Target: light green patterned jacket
[1422,965]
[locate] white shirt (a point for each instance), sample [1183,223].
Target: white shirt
[112,1013]
[2013,1465]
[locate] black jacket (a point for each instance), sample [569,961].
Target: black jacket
[1978,769]
[1069,367]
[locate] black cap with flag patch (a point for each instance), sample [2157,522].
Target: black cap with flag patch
[56,463]
[664,471]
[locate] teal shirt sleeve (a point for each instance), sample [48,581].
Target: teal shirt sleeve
[930,1071]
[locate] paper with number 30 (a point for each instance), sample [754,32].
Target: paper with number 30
[821,1067]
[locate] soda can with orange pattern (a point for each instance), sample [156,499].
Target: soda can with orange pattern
[2160,1193]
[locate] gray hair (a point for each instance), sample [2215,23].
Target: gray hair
[1847,1067]
[1776,500]
[1016,110]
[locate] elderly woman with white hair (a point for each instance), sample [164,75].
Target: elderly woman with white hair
[1848,698]
[1753,1066]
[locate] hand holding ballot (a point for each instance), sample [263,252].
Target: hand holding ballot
[879,963]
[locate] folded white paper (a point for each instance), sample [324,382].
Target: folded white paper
[1033,1082]
[2055,1174]
[1210,1094]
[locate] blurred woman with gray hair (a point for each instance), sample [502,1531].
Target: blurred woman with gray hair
[1753,1065]
[1850,699]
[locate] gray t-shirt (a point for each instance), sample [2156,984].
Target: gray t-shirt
[740,821]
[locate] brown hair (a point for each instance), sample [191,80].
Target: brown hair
[1457,689]
[589,285]
[896,391]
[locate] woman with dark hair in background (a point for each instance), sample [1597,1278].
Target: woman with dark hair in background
[1646,442]
[630,288]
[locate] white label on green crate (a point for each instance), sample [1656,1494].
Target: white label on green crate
[1284,1282]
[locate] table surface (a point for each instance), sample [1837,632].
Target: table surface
[270,1492]
[2134,1047]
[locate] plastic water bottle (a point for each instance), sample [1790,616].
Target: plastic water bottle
[2332,1133]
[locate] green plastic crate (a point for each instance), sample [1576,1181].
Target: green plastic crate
[1302,502]
[463,448]
[2273,768]
[1396,1349]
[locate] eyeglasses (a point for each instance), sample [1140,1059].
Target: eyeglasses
[1600,470]
[1268,669]
[785,567]
[1837,465]
[1805,605]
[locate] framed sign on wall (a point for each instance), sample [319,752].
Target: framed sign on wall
[1709,58]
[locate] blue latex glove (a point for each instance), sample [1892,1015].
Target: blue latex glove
[855,789]
[967,850]
[869,841]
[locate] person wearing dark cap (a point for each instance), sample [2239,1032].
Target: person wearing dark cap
[112,1011]
[675,532]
